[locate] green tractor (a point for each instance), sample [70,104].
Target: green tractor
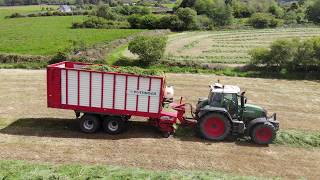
[226,112]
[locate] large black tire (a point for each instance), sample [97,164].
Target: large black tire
[214,126]
[166,134]
[89,123]
[263,134]
[114,124]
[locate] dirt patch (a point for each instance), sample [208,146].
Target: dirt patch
[35,133]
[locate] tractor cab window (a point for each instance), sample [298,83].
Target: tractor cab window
[225,100]
[230,102]
[215,99]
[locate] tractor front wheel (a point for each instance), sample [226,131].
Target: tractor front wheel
[263,134]
[214,126]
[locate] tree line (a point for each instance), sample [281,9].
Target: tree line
[56,2]
[206,14]
[290,54]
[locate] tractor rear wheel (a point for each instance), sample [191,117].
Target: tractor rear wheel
[89,123]
[214,126]
[263,134]
[114,124]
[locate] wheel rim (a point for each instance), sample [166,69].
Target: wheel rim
[214,127]
[263,134]
[88,124]
[113,125]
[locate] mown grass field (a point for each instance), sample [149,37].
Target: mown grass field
[48,35]
[29,131]
[228,46]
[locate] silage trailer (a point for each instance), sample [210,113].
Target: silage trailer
[110,99]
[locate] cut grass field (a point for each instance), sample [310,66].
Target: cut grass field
[116,54]
[32,132]
[48,35]
[227,46]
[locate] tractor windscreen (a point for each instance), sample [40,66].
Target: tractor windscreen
[215,99]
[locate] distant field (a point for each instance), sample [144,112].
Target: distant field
[228,46]
[8,10]
[47,35]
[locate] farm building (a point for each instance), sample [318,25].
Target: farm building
[65,8]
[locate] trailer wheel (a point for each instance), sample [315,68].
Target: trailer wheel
[166,134]
[114,125]
[263,134]
[89,123]
[214,126]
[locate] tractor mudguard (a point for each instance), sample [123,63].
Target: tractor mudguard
[256,121]
[208,108]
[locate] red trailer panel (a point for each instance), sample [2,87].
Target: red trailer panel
[69,86]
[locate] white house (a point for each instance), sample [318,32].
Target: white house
[65,8]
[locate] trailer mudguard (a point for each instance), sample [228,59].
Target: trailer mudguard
[208,108]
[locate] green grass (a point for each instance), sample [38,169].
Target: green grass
[24,65]
[8,10]
[169,5]
[48,35]
[116,54]
[24,170]
[298,138]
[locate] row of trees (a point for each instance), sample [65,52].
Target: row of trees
[183,19]
[206,14]
[223,11]
[219,11]
[292,54]
[37,2]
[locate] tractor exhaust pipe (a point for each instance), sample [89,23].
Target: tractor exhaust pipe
[242,99]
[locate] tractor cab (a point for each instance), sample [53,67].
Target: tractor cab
[226,96]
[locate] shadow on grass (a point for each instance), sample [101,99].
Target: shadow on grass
[68,128]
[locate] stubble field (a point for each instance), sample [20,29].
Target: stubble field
[32,132]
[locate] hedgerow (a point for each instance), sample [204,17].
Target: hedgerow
[292,54]
[49,13]
[101,23]
[15,58]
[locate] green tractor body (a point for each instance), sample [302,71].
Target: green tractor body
[225,112]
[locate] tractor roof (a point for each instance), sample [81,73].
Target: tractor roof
[219,88]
